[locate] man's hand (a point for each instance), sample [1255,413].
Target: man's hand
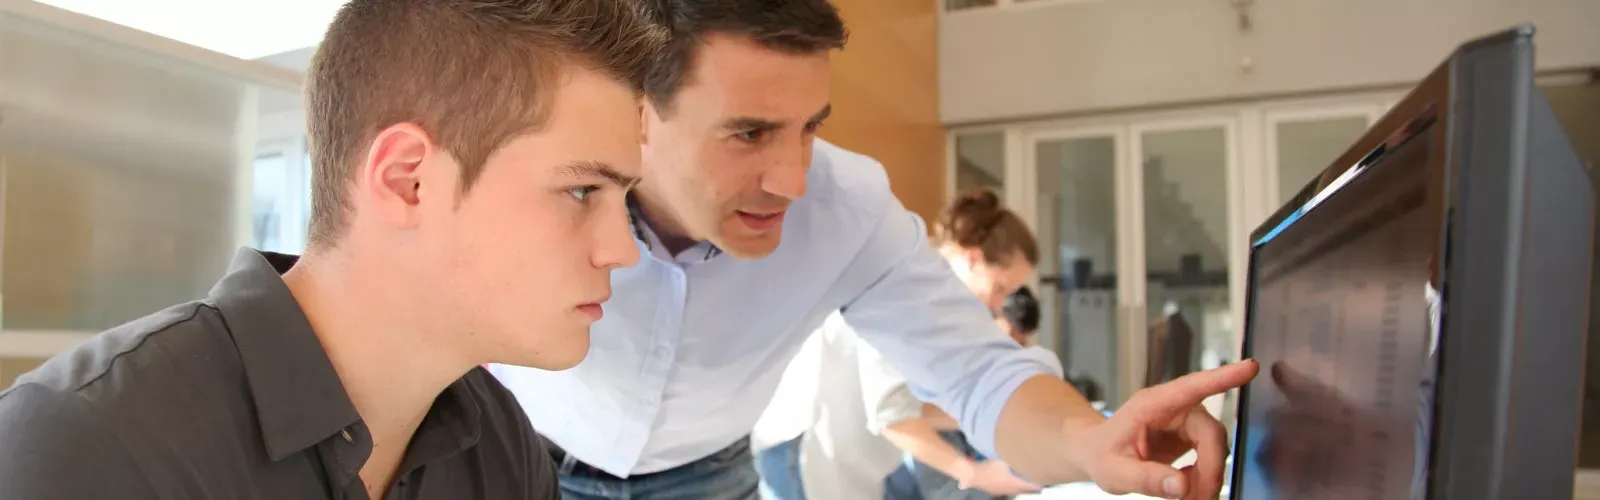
[1132,452]
[993,477]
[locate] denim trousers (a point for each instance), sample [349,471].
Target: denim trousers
[780,471]
[729,474]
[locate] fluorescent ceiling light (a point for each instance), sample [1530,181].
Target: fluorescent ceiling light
[247,29]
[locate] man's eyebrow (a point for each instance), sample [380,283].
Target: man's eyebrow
[822,115]
[592,170]
[753,123]
[750,123]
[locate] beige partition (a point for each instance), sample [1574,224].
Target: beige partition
[125,173]
[885,96]
[11,368]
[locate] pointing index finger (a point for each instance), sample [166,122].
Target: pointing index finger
[1184,392]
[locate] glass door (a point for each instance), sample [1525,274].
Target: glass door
[1075,202]
[978,161]
[1300,143]
[1142,219]
[1135,220]
[1186,212]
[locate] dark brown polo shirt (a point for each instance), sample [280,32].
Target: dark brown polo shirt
[232,397]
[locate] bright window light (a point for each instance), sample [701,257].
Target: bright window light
[247,29]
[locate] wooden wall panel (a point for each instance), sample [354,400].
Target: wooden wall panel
[886,96]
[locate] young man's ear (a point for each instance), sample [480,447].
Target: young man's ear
[644,120]
[391,178]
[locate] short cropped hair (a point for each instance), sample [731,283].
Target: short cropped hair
[792,26]
[472,73]
[1022,311]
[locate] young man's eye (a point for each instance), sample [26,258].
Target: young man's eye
[811,128]
[582,193]
[753,135]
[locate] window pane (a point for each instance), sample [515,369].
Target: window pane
[270,200]
[981,162]
[1077,228]
[1306,148]
[121,173]
[1186,238]
[11,368]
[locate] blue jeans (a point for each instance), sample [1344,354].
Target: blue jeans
[902,484]
[729,474]
[780,471]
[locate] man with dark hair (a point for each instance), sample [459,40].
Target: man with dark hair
[1019,316]
[755,231]
[471,164]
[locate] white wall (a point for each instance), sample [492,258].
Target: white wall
[1073,57]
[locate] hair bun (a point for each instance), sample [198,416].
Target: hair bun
[977,202]
[977,220]
[968,219]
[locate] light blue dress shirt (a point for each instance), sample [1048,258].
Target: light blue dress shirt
[692,346]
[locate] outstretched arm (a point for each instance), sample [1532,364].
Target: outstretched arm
[1008,400]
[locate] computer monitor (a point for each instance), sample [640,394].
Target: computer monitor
[1171,347]
[1419,310]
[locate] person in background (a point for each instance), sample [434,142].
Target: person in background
[840,436]
[1019,316]
[471,160]
[755,231]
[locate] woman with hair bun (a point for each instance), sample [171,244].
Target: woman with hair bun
[990,248]
[868,416]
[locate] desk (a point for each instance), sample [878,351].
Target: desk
[1078,491]
[1088,491]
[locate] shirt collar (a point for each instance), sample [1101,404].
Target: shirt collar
[299,400]
[642,232]
[453,424]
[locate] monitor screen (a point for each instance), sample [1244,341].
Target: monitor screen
[1343,316]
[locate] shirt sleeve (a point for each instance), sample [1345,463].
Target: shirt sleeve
[53,446]
[931,328]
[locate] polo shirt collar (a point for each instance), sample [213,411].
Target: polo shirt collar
[299,399]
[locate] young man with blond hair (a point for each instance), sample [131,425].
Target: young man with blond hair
[471,162]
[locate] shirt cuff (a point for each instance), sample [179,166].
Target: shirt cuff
[989,403]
